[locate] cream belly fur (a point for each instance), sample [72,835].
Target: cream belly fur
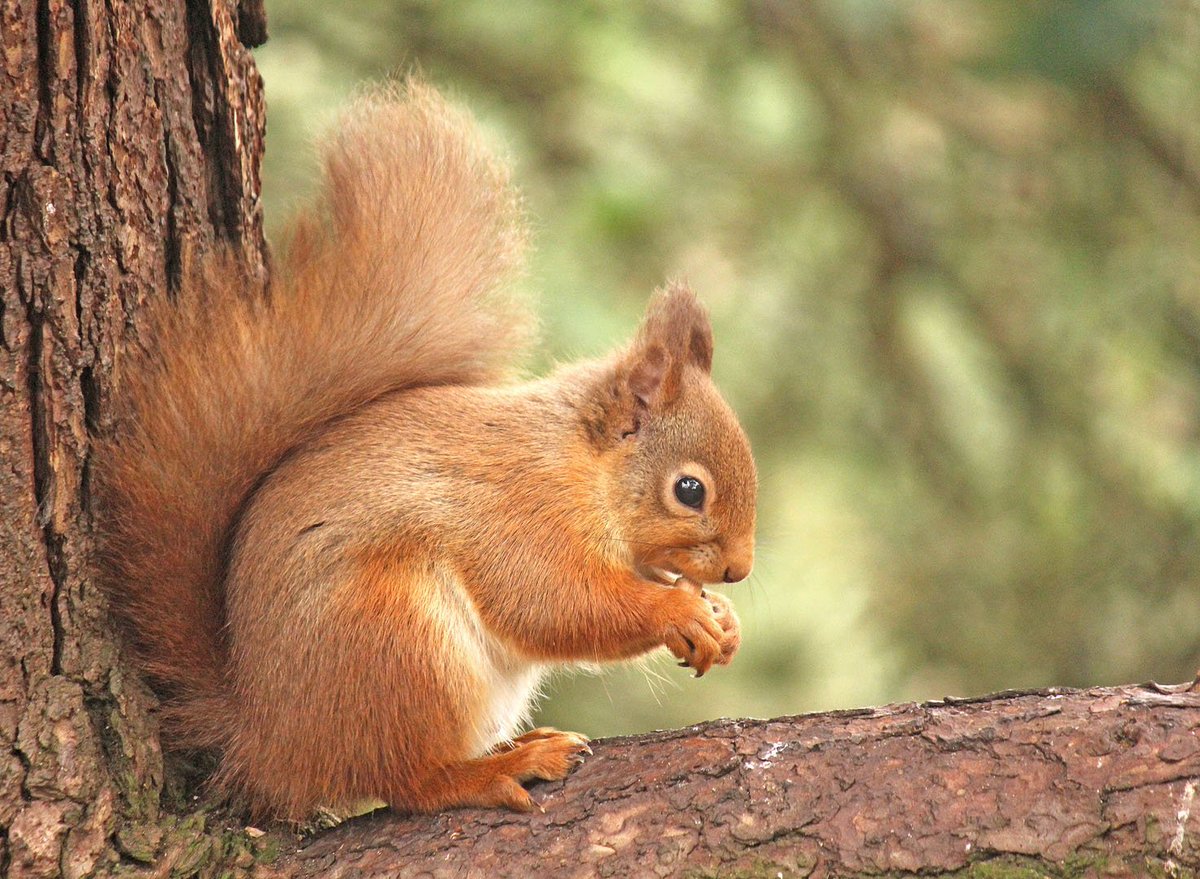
[508,683]
[512,687]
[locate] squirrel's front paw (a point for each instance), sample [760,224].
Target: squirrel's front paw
[696,635]
[731,626]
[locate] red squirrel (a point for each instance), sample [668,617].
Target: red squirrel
[347,544]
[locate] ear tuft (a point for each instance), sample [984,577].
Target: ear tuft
[674,333]
[676,320]
[701,346]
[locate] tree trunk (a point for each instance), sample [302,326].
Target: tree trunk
[1048,784]
[130,136]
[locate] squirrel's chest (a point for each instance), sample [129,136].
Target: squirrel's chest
[509,691]
[500,684]
[493,685]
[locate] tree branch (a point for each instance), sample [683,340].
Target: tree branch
[1054,782]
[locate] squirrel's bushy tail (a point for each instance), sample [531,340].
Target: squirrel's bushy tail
[393,278]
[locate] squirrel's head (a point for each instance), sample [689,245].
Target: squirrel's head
[681,491]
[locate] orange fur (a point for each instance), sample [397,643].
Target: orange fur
[347,548]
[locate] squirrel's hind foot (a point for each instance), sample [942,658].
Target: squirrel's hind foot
[495,780]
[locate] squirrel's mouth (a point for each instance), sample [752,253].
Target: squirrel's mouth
[666,577]
[661,575]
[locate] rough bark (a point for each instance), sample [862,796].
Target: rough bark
[1055,783]
[130,137]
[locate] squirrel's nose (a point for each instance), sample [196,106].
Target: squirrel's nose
[739,559]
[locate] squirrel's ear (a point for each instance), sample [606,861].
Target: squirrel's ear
[674,333]
[647,374]
[647,378]
[677,321]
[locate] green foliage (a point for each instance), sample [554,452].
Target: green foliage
[952,249]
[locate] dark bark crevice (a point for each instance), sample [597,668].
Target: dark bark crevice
[204,67]
[44,481]
[172,245]
[252,23]
[83,40]
[46,75]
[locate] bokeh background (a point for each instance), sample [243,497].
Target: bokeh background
[952,251]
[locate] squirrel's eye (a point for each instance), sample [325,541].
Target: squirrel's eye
[690,491]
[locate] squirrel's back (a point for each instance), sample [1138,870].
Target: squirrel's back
[393,278]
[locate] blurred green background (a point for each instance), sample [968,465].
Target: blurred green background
[952,251]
